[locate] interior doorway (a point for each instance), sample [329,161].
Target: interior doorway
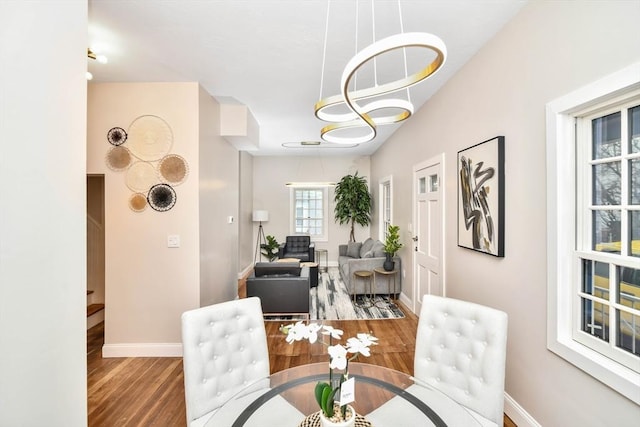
[95,250]
[428,230]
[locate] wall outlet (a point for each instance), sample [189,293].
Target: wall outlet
[173,241]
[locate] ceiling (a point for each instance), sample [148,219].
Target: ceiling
[268,54]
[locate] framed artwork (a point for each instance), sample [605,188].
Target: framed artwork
[481,197]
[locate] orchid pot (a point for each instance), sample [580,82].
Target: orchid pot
[336,420]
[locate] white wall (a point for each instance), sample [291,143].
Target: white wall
[147,284]
[547,50]
[42,213]
[270,174]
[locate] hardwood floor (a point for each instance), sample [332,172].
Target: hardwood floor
[149,391]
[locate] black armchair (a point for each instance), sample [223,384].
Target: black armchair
[298,247]
[283,287]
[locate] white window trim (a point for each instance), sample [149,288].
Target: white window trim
[325,212]
[561,230]
[381,184]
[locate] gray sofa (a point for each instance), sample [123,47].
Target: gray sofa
[283,288]
[366,256]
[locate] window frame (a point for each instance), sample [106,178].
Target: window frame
[385,205]
[585,242]
[562,286]
[324,237]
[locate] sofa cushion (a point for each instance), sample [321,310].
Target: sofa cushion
[366,246]
[353,249]
[276,269]
[377,249]
[368,254]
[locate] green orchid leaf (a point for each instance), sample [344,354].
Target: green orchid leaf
[320,387]
[327,401]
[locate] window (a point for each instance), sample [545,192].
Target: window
[607,165]
[309,212]
[593,175]
[386,206]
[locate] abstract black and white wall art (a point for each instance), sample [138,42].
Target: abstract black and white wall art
[481,197]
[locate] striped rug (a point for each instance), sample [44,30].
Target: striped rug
[330,300]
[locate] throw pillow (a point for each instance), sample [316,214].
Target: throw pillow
[368,254]
[366,246]
[378,249]
[353,249]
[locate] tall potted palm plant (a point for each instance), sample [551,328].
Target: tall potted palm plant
[353,202]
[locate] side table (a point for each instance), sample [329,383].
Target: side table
[388,275]
[367,278]
[313,273]
[319,253]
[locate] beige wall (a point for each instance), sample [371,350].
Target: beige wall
[246,238]
[147,284]
[546,51]
[218,200]
[270,174]
[42,213]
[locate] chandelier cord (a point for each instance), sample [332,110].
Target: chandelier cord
[404,50]
[355,78]
[373,36]
[324,49]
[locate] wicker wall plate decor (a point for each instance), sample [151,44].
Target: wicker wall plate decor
[150,138]
[173,169]
[162,197]
[118,158]
[141,176]
[116,136]
[138,202]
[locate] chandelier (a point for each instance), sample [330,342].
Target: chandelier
[367,108]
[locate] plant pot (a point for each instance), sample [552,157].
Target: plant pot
[350,422]
[388,264]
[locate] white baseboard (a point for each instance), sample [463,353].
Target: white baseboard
[517,413]
[245,272]
[142,350]
[406,301]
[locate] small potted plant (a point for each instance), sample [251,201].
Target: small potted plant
[391,246]
[332,413]
[270,249]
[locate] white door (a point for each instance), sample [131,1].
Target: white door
[428,230]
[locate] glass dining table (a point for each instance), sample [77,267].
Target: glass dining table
[383,398]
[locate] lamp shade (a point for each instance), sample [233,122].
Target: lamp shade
[260,216]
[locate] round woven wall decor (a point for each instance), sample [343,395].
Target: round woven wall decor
[150,138]
[173,169]
[141,176]
[118,158]
[162,197]
[116,136]
[138,202]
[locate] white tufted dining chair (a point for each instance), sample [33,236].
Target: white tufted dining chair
[461,351]
[224,350]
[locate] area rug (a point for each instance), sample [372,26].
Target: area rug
[330,300]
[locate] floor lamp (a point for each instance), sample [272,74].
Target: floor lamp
[260,216]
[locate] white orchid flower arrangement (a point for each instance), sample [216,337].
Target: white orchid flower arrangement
[339,358]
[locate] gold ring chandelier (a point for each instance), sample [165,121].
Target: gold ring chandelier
[362,114]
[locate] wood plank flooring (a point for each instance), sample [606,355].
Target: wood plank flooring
[149,391]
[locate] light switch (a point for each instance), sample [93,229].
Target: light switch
[173,241]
